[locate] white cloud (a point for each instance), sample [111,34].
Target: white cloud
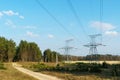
[10,13]
[1,14]
[107,28]
[31,34]
[50,36]
[103,26]
[111,33]
[29,27]
[21,17]
[10,23]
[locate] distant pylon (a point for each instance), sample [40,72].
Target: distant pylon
[93,46]
[67,48]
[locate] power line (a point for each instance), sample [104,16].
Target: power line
[101,10]
[56,20]
[93,46]
[76,16]
[67,49]
[101,18]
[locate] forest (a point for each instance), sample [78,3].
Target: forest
[30,51]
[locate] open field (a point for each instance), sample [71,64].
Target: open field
[78,76]
[12,74]
[71,75]
[109,62]
[36,75]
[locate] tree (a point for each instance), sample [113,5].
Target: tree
[2,48]
[28,51]
[34,52]
[50,56]
[23,50]
[7,49]
[11,50]
[47,55]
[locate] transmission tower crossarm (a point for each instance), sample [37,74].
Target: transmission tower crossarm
[93,45]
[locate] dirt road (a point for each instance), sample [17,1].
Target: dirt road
[36,75]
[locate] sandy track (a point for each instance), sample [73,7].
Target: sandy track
[36,75]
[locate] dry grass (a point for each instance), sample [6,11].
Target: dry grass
[12,74]
[70,76]
[78,76]
[109,62]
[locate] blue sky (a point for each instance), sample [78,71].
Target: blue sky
[26,20]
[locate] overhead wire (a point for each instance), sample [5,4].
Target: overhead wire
[101,10]
[101,19]
[55,19]
[77,17]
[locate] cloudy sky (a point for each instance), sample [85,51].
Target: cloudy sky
[50,22]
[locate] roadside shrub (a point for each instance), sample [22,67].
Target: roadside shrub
[88,67]
[41,67]
[95,68]
[2,66]
[83,67]
[115,70]
[38,67]
[57,65]
[105,65]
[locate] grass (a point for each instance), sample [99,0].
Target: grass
[109,62]
[71,75]
[79,76]
[2,66]
[12,74]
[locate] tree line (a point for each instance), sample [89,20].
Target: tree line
[7,49]
[25,51]
[30,51]
[105,57]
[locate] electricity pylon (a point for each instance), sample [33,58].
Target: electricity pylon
[67,48]
[93,45]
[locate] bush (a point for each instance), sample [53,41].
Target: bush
[2,65]
[82,67]
[115,70]
[88,67]
[95,68]
[78,67]
[105,65]
[41,67]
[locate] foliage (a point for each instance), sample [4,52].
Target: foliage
[41,67]
[115,70]
[24,52]
[2,66]
[50,56]
[11,50]
[88,67]
[105,65]
[28,52]
[95,68]
[7,49]
[108,57]
[81,67]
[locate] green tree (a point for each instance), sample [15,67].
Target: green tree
[23,50]
[11,50]
[50,56]
[2,49]
[34,52]
[47,55]
[28,51]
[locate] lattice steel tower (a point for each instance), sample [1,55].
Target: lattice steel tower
[67,48]
[93,46]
